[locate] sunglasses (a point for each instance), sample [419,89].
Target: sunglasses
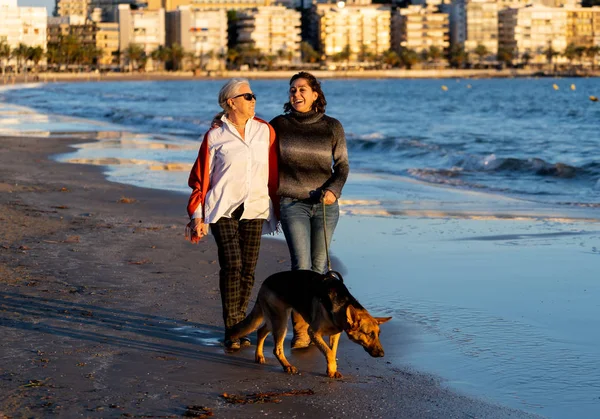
[247,96]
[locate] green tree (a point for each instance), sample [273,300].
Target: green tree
[570,53]
[343,55]
[233,58]
[482,52]
[35,54]
[525,58]
[592,54]
[457,56]
[53,55]
[160,55]
[505,56]
[408,57]
[135,54]
[308,53]
[550,53]
[176,56]
[390,58]
[20,53]
[435,53]
[5,54]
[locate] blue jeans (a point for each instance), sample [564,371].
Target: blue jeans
[302,224]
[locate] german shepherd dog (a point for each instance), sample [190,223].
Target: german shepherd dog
[324,302]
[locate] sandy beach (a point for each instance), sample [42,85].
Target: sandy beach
[106,311]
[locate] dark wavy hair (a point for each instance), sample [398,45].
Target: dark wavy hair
[319,104]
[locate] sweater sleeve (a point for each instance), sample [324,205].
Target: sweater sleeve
[341,167]
[199,179]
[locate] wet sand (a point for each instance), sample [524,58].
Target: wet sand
[106,311]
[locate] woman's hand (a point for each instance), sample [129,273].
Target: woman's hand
[195,230]
[329,197]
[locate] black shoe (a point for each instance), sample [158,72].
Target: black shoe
[232,345]
[245,341]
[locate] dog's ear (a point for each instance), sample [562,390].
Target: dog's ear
[381,320]
[352,317]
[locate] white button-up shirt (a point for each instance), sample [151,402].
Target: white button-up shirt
[239,172]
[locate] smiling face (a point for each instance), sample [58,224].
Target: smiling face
[240,107]
[302,96]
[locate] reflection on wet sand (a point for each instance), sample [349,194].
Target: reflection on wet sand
[150,165]
[453,210]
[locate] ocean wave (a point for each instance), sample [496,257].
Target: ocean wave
[534,165]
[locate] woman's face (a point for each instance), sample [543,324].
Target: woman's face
[240,106]
[302,96]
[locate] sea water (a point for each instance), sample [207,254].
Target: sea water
[471,214]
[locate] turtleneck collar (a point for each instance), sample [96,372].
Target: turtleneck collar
[305,117]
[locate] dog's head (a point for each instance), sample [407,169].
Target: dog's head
[363,329]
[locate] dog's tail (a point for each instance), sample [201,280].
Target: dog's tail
[249,324]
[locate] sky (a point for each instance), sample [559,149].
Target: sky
[48,4]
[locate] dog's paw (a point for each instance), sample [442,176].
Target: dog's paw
[291,369]
[334,374]
[260,359]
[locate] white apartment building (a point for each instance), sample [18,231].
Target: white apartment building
[419,28]
[532,30]
[202,32]
[73,7]
[22,25]
[583,26]
[473,23]
[141,27]
[172,5]
[361,29]
[273,30]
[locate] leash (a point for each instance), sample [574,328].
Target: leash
[325,232]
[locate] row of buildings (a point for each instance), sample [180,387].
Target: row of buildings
[356,28]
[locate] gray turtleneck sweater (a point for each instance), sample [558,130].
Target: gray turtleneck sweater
[312,155]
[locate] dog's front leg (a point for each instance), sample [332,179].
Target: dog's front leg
[279,336]
[329,353]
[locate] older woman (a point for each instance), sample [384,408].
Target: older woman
[309,142]
[232,181]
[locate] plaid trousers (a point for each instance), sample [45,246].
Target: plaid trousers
[238,244]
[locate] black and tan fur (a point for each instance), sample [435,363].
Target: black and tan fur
[326,305]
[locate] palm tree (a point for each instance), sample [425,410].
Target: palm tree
[20,53]
[69,47]
[35,54]
[116,59]
[308,53]
[525,58]
[550,53]
[135,54]
[409,57]
[505,56]
[481,51]
[52,55]
[233,57]
[457,56]
[592,53]
[160,55]
[176,56]
[570,53]
[435,54]
[5,54]
[390,58]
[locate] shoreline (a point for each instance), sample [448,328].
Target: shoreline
[108,311]
[9,79]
